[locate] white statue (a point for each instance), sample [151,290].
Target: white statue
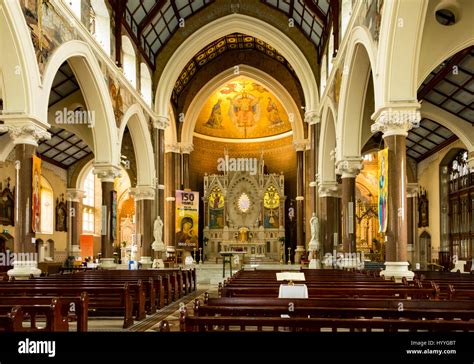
[314,242]
[158,235]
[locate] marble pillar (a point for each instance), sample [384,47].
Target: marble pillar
[171,157]
[395,124]
[144,197]
[74,197]
[107,175]
[185,155]
[349,168]
[25,136]
[329,217]
[412,190]
[300,241]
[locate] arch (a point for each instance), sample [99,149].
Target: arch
[138,126]
[6,146]
[129,61]
[359,66]
[18,66]
[236,23]
[251,72]
[326,166]
[145,83]
[102,24]
[462,129]
[171,134]
[96,95]
[75,6]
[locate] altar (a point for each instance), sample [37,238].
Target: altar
[244,212]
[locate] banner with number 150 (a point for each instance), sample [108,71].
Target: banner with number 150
[187,219]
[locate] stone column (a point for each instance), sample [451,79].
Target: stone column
[74,198]
[313,120]
[349,168]
[144,197]
[395,124]
[25,136]
[412,190]
[159,126]
[185,154]
[300,241]
[329,217]
[171,154]
[107,175]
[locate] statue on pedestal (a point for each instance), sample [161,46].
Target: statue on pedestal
[158,245]
[314,242]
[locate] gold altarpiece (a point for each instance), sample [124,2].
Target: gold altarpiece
[244,211]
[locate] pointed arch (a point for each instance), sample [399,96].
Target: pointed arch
[96,95]
[326,165]
[140,134]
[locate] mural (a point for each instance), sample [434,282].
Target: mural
[216,209]
[242,109]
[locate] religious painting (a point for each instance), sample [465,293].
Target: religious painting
[36,195]
[61,214]
[242,108]
[216,209]
[373,18]
[187,219]
[113,215]
[382,176]
[423,217]
[7,205]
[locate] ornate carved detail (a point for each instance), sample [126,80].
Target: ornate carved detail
[312,117]
[143,193]
[161,122]
[74,195]
[187,148]
[349,168]
[412,189]
[396,121]
[301,145]
[26,133]
[172,148]
[106,173]
[328,189]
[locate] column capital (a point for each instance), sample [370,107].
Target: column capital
[25,133]
[312,117]
[106,172]
[74,194]
[470,159]
[349,168]
[329,189]
[161,122]
[396,120]
[186,148]
[412,189]
[143,193]
[301,145]
[172,148]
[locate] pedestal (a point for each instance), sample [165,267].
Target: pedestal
[298,253]
[398,270]
[158,264]
[75,251]
[107,263]
[23,269]
[146,262]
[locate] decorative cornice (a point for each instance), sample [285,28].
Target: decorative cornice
[301,145]
[329,189]
[161,122]
[25,133]
[74,194]
[143,193]
[106,173]
[187,148]
[396,120]
[312,117]
[349,168]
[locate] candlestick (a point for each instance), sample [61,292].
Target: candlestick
[200,255]
[335,239]
[289,256]
[194,257]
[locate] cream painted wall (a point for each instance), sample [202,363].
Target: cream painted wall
[428,178]
[58,185]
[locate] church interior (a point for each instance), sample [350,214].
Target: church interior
[199,165]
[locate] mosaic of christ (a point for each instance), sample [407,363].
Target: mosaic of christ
[242,109]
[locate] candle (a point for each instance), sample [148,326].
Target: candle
[335,239]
